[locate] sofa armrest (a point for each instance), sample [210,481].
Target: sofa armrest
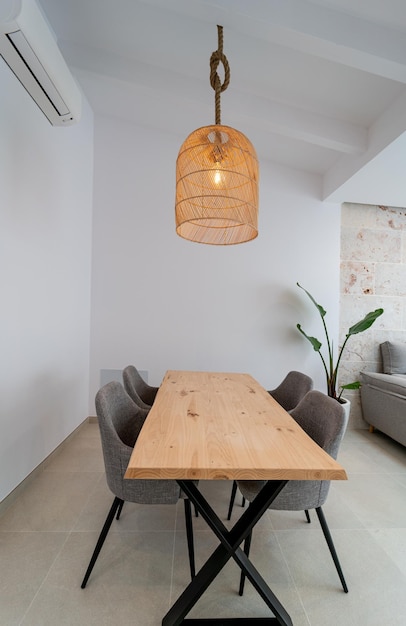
[393,384]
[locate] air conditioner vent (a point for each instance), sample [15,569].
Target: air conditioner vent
[29,49]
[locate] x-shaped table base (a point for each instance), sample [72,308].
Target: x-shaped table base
[229,547]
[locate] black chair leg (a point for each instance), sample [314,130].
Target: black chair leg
[232,498]
[307,516]
[247,546]
[330,544]
[189,535]
[109,519]
[120,508]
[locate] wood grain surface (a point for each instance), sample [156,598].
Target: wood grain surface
[208,425]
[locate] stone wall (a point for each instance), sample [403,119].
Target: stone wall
[373,275]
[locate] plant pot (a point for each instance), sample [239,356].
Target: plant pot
[347,408]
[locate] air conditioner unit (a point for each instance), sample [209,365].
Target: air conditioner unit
[30,50]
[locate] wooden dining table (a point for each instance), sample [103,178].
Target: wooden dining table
[225,426]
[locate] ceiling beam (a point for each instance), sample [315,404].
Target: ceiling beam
[269,115]
[310,28]
[388,129]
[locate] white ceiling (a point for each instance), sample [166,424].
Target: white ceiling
[316,85]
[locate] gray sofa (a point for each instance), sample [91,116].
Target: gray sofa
[383,395]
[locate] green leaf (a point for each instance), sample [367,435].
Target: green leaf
[331,371]
[315,342]
[319,307]
[365,323]
[354,385]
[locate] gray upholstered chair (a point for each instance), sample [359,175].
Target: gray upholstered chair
[288,394]
[120,422]
[292,389]
[325,421]
[136,387]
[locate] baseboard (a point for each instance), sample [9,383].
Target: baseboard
[13,495]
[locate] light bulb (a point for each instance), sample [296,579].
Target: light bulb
[217,177]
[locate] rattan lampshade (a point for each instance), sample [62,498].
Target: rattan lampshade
[217,187]
[217,176]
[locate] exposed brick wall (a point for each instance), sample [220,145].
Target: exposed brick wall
[373,275]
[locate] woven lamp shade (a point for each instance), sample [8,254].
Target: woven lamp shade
[217,187]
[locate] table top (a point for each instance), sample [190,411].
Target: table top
[215,426]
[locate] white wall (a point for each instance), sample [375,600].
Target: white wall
[46,186]
[161,302]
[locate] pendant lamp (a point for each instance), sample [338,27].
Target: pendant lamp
[217,177]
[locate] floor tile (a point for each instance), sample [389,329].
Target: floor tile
[130,582]
[26,558]
[376,586]
[53,502]
[377,500]
[48,535]
[393,541]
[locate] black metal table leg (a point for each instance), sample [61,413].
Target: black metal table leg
[230,541]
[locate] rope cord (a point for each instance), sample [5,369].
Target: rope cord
[216,58]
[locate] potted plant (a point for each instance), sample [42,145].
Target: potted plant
[330,365]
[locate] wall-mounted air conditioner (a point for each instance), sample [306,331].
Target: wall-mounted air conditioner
[30,50]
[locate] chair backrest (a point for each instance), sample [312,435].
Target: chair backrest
[324,419]
[120,422]
[292,389]
[136,387]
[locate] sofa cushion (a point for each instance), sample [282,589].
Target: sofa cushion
[393,357]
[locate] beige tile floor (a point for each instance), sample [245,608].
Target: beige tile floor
[48,534]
